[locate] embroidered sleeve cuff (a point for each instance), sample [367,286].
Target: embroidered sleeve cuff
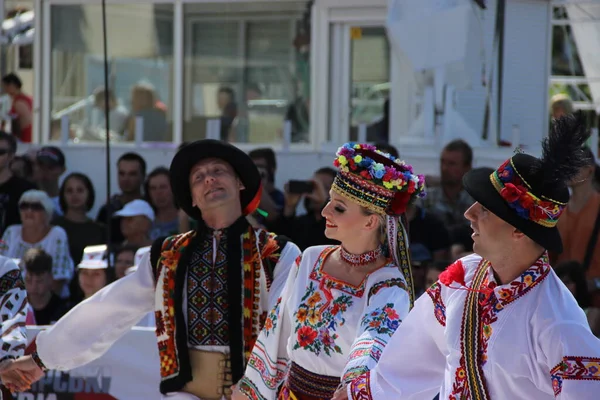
[360,388]
[250,390]
[38,361]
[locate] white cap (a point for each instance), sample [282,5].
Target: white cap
[135,208]
[17,261]
[94,257]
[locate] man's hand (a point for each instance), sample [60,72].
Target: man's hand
[18,375]
[340,394]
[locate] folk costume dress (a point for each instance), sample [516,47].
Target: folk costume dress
[324,331]
[472,337]
[210,292]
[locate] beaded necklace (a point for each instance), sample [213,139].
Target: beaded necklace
[359,260]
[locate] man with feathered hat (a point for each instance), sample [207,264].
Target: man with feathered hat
[210,288]
[499,324]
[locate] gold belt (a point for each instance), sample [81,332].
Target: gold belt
[211,375]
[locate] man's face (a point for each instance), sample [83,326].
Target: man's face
[266,173]
[6,155]
[10,90]
[159,190]
[135,226]
[38,285]
[49,172]
[492,236]
[213,184]
[130,176]
[453,167]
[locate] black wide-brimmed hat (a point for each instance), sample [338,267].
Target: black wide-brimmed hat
[531,193]
[192,153]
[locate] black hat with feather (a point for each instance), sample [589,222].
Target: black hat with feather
[531,193]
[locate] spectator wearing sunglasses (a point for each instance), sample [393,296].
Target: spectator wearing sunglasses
[11,186]
[35,231]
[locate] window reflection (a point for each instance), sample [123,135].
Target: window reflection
[246,72]
[140,50]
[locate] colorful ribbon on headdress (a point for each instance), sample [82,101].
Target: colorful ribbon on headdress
[397,241]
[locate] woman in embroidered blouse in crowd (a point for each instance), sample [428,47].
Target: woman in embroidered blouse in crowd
[36,210]
[342,303]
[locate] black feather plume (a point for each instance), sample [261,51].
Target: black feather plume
[562,153]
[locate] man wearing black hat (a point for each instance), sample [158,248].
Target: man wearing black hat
[210,288]
[499,324]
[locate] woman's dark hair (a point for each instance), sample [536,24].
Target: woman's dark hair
[89,203]
[573,271]
[155,172]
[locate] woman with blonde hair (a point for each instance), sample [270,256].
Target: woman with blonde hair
[342,303]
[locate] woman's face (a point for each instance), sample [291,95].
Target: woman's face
[91,280]
[76,194]
[123,261]
[33,214]
[345,220]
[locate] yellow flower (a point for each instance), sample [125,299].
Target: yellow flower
[357,158]
[342,160]
[357,146]
[388,185]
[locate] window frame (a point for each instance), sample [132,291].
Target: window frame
[181,28]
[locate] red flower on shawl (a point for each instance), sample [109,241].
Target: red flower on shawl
[454,273]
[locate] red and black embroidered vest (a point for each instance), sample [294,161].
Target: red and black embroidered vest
[249,253]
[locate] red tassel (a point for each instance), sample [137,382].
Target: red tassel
[253,205]
[454,273]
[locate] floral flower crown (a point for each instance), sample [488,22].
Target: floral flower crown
[376,179]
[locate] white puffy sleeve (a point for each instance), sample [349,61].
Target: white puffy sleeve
[412,365]
[387,306]
[90,328]
[287,258]
[268,364]
[572,359]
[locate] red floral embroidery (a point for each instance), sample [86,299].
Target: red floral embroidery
[360,388]
[306,336]
[575,368]
[439,308]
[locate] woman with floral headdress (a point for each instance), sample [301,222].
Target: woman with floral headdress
[342,303]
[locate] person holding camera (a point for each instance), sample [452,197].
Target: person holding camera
[307,229]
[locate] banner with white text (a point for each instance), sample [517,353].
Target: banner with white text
[128,371]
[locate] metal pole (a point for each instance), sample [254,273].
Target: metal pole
[107,123]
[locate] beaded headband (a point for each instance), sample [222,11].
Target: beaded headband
[376,180]
[517,193]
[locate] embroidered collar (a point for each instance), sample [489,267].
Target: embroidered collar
[238,225]
[506,294]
